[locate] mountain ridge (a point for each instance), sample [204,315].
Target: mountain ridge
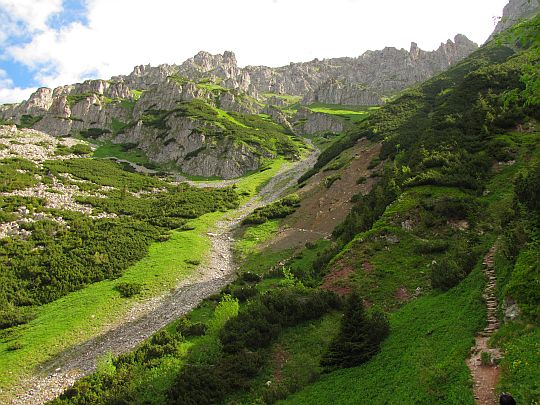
[142,107]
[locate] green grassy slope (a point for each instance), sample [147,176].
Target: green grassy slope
[411,367]
[423,360]
[453,148]
[79,315]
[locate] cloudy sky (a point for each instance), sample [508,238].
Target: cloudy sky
[55,42]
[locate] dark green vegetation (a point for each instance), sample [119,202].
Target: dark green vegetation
[277,209]
[128,152]
[359,336]
[62,256]
[26,121]
[459,172]
[11,179]
[348,112]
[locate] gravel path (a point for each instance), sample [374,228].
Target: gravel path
[148,317]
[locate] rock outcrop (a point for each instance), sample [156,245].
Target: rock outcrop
[307,122]
[116,108]
[514,11]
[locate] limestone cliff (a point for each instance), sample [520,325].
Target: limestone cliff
[514,11]
[117,108]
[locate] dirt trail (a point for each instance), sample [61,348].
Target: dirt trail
[486,377]
[53,377]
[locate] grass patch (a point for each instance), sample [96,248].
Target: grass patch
[289,99]
[81,314]
[73,99]
[278,209]
[254,236]
[349,112]
[121,151]
[423,359]
[521,363]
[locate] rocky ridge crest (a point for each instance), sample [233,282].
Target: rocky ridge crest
[116,108]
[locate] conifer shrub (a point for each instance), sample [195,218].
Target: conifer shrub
[448,271]
[243,293]
[359,337]
[250,277]
[189,329]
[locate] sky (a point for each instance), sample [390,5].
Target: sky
[48,43]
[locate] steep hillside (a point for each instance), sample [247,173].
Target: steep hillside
[454,190]
[513,12]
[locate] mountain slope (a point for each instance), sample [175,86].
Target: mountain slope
[458,170]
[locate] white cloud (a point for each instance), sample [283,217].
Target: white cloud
[33,13]
[123,33]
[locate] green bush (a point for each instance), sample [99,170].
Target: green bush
[80,149]
[449,270]
[15,316]
[523,284]
[328,181]
[94,133]
[250,277]
[262,319]
[188,329]
[127,290]
[431,246]
[359,337]
[446,273]
[243,293]
[28,121]
[11,177]
[527,188]
[278,209]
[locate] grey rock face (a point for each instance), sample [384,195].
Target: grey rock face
[278,116]
[307,122]
[218,80]
[514,11]
[185,145]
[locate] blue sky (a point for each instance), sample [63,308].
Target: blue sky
[56,42]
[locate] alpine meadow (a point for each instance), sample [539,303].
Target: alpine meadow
[353,230]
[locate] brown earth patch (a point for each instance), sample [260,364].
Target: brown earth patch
[459,224]
[367,303]
[322,208]
[279,359]
[402,294]
[367,267]
[338,280]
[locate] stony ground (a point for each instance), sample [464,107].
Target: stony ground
[151,315]
[61,194]
[485,375]
[32,145]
